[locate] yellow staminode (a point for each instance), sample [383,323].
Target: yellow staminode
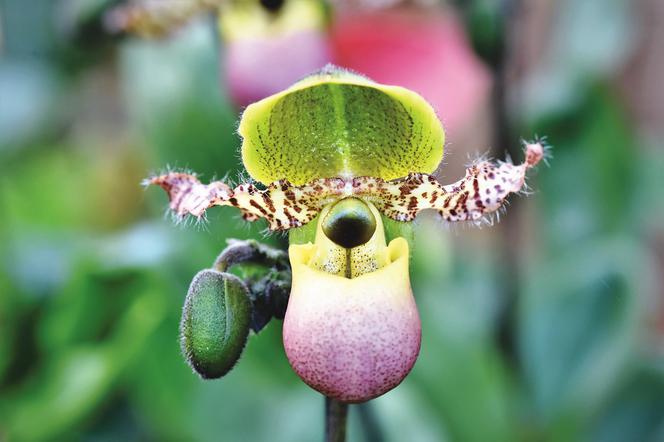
[326,256]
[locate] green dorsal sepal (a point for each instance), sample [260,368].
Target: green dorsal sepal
[339,124]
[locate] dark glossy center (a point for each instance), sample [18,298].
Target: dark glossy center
[349,223]
[272,5]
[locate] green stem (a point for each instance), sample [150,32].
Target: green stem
[336,413]
[241,251]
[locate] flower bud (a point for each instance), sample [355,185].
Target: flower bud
[215,323]
[352,330]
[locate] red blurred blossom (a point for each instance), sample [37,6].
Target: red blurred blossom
[423,49]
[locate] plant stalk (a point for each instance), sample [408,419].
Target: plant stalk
[336,414]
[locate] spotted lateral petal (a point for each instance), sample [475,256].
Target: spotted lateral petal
[283,205]
[482,191]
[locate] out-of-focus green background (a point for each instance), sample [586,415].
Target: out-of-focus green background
[546,326]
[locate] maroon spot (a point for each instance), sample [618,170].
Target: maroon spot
[413,203]
[268,202]
[258,206]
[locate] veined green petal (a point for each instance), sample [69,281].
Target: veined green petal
[336,123]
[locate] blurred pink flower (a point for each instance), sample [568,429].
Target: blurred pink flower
[259,67]
[268,46]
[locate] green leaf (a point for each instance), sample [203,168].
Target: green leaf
[71,384]
[636,412]
[335,123]
[578,324]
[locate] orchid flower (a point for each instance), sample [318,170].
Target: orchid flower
[287,38]
[336,159]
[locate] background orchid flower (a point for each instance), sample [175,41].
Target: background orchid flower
[339,156]
[287,38]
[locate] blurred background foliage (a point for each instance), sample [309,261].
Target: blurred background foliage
[546,326]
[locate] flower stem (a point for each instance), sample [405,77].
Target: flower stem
[243,251]
[335,420]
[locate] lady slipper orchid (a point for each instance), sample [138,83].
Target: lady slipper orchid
[340,156]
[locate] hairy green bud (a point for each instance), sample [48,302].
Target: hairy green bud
[215,323]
